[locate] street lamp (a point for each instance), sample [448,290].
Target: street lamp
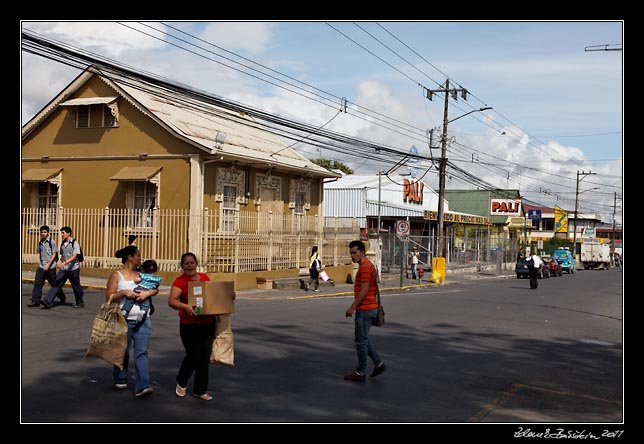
[441,176]
[577,193]
[483,108]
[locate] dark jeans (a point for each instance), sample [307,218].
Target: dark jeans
[314,278]
[61,278]
[197,340]
[39,282]
[534,282]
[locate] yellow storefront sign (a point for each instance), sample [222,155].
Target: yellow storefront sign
[458,218]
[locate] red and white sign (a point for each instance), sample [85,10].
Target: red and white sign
[505,207]
[402,227]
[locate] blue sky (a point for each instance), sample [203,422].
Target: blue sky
[560,107]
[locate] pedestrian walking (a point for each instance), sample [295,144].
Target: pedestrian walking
[121,287]
[365,307]
[46,271]
[68,268]
[315,266]
[197,332]
[534,263]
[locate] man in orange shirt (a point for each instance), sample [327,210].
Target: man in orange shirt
[365,306]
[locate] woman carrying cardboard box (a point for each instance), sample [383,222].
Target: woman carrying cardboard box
[197,331]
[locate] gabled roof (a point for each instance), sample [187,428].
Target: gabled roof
[213,129]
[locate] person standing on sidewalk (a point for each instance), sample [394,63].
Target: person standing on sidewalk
[414,262]
[365,307]
[48,256]
[122,287]
[197,332]
[68,268]
[314,269]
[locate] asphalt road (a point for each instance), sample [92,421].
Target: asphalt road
[491,351]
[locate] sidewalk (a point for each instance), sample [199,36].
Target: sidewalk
[390,282]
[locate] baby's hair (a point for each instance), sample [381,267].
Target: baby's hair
[149,266]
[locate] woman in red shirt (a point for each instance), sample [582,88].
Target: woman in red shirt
[197,332]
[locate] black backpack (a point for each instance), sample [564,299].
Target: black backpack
[79,256]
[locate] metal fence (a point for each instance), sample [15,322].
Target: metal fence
[479,251]
[225,242]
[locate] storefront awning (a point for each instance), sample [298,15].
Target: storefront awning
[40,174]
[136,173]
[89,101]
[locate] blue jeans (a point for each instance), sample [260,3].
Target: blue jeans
[140,334]
[363,319]
[414,271]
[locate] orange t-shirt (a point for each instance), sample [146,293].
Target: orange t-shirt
[366,273]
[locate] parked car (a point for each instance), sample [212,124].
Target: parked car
[522,271]
[564,256]
[555,267]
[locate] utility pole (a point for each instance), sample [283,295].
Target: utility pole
[614,210]
[443,162]
[574,234]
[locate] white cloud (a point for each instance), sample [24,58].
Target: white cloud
[253,37]
[108,38]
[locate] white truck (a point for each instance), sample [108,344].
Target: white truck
[595,255]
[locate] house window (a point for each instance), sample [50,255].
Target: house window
[144,200]
[229,192]
[229,208]
[47,198]
[95,116]
[300,201]
[300,196]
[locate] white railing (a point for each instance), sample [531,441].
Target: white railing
[225,242]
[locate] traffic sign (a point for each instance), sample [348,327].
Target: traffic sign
[402,227]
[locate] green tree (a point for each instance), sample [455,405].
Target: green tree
[330,164]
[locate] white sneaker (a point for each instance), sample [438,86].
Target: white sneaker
[317,290]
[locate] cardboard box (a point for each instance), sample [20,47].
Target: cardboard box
[216,297]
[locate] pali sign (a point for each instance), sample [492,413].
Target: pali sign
[505,207]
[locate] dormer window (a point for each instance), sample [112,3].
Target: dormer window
[94,112]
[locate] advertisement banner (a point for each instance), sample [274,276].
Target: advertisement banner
[561,220]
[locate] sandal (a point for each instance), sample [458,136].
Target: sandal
[180,391]
[205,396]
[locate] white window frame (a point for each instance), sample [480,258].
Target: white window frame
[142,219]
[109,115]
[49,216]
[300,186]
[227,178]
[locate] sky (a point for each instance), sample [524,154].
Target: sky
[557,108]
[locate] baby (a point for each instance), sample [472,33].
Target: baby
[147,280]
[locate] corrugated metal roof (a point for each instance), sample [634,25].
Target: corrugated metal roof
[218,130]
[195,121]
